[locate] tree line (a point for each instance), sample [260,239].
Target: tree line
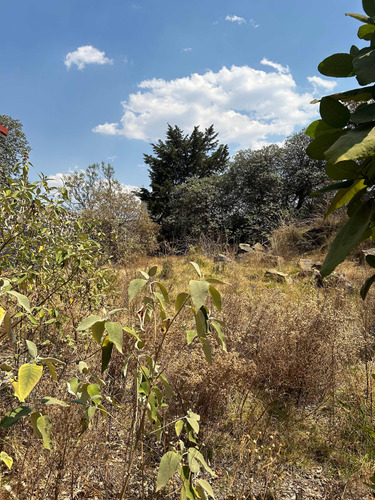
[196,190]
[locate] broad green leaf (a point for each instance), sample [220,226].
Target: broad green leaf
[355,144]
[354,50]
[348,238]
[180,300]
[103,411]
[207,350]
[145,275]
[343,196]
[168,466]
[33,420]
[342,170]
[178,426]
[164,291]
[194,424]
[94,393]
[366,31]
[88,323]
[369,7]
[197,268]
[8,461]
[132,332]
[198,292]
[167,387]
[220,333]
[21,299]
[135,287]
[5,321]
[73,384]
[82,367]
[356,95]
[355,204]
[201,324]
[318,147]
[337,65]
[97,331]
[161,300]
[4,367]
[333,187]
[152,271]
[198,456]
[193,463]
[333,112]
[53,401]
[190,336]
[216,281]
[364,113]
[205,485]
[28,376]
[106,353]
[52,371]
[318,127]
[44,425]
[14,415]
[115,334]
[366,286]
[32,349]
[187,490]
[216,297]
[363,64]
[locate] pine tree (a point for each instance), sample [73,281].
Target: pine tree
[176,160]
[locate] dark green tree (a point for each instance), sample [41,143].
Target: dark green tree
[302,175]
[196,210]
[252,194]
[13,149]
[176,160]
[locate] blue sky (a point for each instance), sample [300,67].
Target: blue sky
[93,80]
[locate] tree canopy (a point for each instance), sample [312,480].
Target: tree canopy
[176,160]
[13,149]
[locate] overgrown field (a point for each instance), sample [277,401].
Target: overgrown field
[286,409]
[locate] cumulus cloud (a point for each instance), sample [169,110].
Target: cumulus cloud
[320,82]
[248,107]
[235,19]
[87,54]
[56,180]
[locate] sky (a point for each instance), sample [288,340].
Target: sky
[96,81]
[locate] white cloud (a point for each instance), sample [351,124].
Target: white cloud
[56,180]
[86,54]
[253,23]
[187,49]
[106,128]
[246,106]
[278,67]
[320,82]
[236,19]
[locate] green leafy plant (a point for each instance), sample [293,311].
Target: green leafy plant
[151,384]
[345,138]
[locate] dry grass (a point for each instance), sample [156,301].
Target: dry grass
[293,394]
